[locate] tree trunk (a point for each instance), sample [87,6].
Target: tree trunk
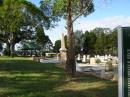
[12,50]
[70,63]
[12,44]
[8,49]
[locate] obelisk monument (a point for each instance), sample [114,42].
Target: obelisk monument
[63,49]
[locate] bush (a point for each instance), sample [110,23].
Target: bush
[98,61]
[6,52]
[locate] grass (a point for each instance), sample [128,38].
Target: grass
[21,77]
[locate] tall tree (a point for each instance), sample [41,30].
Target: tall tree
[71,10]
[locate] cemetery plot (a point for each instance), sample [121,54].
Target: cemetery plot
[100,66]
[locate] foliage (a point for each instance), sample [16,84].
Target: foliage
[98,42]
[89,41]
[18,20]
[98,61]
[78,42]
[40,37]
[57,46]
[48,47]
[95,42]
[114,43]
[57,9]
[1,47]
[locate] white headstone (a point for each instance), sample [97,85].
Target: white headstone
[93,61]
[79,57]
[115,69]
[88,56]
[84,58]
[109,56]
[58,56]
[106,57]
[98,56]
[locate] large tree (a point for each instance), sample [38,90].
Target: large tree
[17,17]
[70,10]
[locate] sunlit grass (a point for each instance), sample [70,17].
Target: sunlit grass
[21,77]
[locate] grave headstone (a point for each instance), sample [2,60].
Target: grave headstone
[84,58]
[79,57]
[109,56]
[93,61]
[88,56]
[106,57]
[98,56]
[115,70]
[58,56]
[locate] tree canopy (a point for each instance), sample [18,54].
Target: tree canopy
[18,21]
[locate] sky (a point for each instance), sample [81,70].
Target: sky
[107,14]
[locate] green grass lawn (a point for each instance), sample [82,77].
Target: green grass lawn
[21,77]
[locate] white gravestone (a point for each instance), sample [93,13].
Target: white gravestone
[93,61]
[84,58]
[115,70]
[79,57]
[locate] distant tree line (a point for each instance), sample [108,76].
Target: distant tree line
[97,41]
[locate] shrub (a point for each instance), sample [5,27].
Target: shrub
[98,61]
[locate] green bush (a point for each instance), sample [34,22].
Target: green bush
[98,61]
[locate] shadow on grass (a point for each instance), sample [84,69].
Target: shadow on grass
[28,78]
[109,91]
[25,78]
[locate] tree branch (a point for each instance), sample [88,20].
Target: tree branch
[89,3]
